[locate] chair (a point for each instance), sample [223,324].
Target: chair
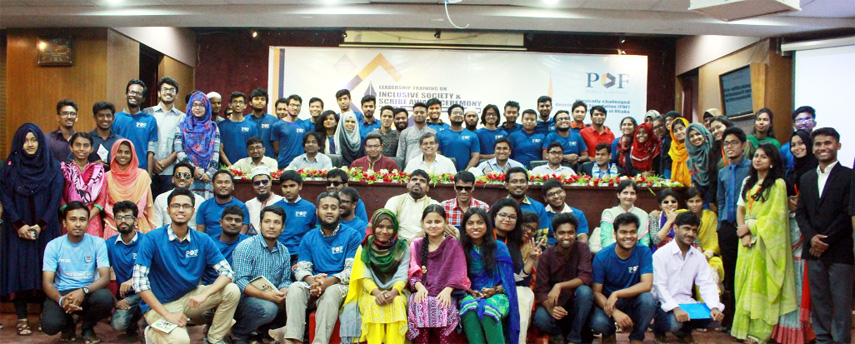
[536,163]
[336,160]
[398,161]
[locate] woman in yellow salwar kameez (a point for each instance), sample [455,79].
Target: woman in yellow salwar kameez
[375,309]
[707,240]
[764,280]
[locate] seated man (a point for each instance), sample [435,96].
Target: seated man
[349,198]
[182,177]
[554,156]
[262,184]
[430,161]
[563,284]
[408,207]
[502,160]
[122,250]
[601,167]
[623,278]
[337,180]
[677,268]
[554,194]
[464,186]
[75,271]
[374,159]
[168,273]
[312,158]
[326,258]
[255,149]
[262,255]
[300,215]
[231,222]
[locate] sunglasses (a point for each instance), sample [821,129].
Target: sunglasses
[334,183]
[461,188]
[183,175]
[261,182]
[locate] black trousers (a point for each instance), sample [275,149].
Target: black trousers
[728,242]
[96,306]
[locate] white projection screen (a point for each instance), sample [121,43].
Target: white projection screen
[822,80]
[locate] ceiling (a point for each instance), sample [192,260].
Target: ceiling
[657,17]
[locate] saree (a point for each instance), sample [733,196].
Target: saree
[707,242]
[764,277]
[679,157]
[84,186]
[498,306]
[129,184]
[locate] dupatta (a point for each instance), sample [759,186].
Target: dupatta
[679,156]
[502,274]
[129,184]
[83,186]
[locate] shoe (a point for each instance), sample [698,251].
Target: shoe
[556,339]
[685,337]
[660,339]
[609,339]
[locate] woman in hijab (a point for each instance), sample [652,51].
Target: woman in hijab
[645,150]
[677,152]
[699,142]
[30,191]
[126,182]
[83,180]
[198,140]
[717,127]
[621,146]
[347,138]
[375,309]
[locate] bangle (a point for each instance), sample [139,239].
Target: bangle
[60,300]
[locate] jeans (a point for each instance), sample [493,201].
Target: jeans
[96,306]
[831,297]
[577,315]
[667,322]
[640,309]
[127,319]
[253,313]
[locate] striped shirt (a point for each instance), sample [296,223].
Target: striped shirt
[253,258]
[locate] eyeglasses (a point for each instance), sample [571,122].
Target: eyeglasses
[731,143]
[554,193]
[135,93]
[168,90]
[202,106]
[262,182]
[461,188]
[334,183]
[507,216]
[69,113]
[238,102]
[183,175]
[125,217]
[804,120]
[177,206]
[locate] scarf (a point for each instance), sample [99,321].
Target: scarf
[679,156]
[624,146]
[83,186]
[806,163]
[644,153]
[198,133]
[130,183]
[383,258]
[348,142]
[28,174]
[446,266]
[502,274]
[699,162]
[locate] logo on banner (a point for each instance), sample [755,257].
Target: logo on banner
[608,80]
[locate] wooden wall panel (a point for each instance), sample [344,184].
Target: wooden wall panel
[123,64]
[182,73]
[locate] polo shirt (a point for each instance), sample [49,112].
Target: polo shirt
[487,139]
[545,225]
[544,127]
[365,127]
[526,147]
[300,218]
[167,126]
[573,143]
[122,256]
[265,126]
[233,137]
[139,128]
[615,273]
[100,143]
[75,264]
[226,249]
[328,253]
[459,145]
[290,138]
[210,211]
[592,138]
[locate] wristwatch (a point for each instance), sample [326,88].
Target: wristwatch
[85,290]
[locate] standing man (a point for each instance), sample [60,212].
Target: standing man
[434,110]
[575,150]
[580,109]
[316,107]
[167,274]
[527,144]
[554,156]
[430,160]
[211,210]
[825,216]
[408,141]
[181,178]
[516,182]
[729,185]
[601,167]
[402,119]
[235,131]
[804,118]
[501,161]
[545,123]
[598,132]
[470,117]
[287,140]
[555,197]
[374,158]
[336,180]
[349,198]
[368,122]
[168,117]
[408,207]
[262,184]
[386,131]
[344,102]
[122,250]
[103,136]
[490,133]
[280,108]
[75,272]
[264,121]
[300,214]
[231,222]
[57,140]
[135,125]
[458,142]
[255,149]
[512,110]
[295,105]
[323,271]
[464,186]
[216,105]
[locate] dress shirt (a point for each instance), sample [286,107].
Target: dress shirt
[729,181]
[408,142]
[246,165]
[97,142]
[58,145]
[409,212]
[167,126]
[822,177]
[390,141]
[492,165]
[546,170]
[322,162]
[455,214]
[253,258]
[440,165]
[553,267]
[674,277]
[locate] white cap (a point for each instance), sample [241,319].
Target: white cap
[214,95]
[259,170]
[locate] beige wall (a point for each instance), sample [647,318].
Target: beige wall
[182,73]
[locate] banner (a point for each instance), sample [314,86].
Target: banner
[473,79]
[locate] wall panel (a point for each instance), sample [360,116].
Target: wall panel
[123,64]
[182,73]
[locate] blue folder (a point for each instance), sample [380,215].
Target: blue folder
[696,310]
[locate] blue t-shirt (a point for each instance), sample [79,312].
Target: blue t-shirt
[226,250]
[122,257]
[526,147]
[583,222]
[487,139]
[265,125]
[290,138]
[75,265]
[573,143]
[300,218]
[459,145]
[140,129]
[308,124]
[233,136]
[544,225]
[210,212]
[438,126]
[515,128]
[327,254]
[365,128]
[361,213]
[176,268]
[615,273]
[356,224]
[545,127]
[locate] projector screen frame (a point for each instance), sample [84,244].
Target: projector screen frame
[721,76]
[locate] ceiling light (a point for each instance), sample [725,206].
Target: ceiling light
[254,34]
[550,2]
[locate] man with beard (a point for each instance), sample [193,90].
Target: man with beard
[103,136]
[300,214]
[368,122]
[402,119]
[623,277]
[388,135]
[262,185]
[255,150]
[216,105]
[167,274]
[501,162]
[580,109]
[597,133]
[235,131]
[804,118]
[516,182]
[336,180]
[374,158]
[326,257]
[434,111]
[527,144]
[349,198]
[575,149]
[135,125]
[76,272]
[470,118]
[512,110]
[262,255]
[163,156]
[57,140]
[122,250]
[294,106]
[231,222]
[545,124]
[408,207]
[408,141]
[677,268]
[490,133]
[555,197]
[316,107]
[181,178]
[562,289]
[457,142]
[211,210]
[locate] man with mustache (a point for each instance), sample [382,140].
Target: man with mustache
[122,250]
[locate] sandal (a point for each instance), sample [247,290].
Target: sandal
[23,327]
[91,338]
[68,337]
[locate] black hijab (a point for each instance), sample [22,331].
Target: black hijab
[29,173]
[804,164]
